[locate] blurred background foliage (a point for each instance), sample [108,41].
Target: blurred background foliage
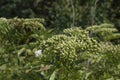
[58,13]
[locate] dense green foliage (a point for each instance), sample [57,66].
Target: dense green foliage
[104,32]
[59,13]
[29,51]
[38,41]
[19,39]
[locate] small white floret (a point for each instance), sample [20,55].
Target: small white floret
[38,53]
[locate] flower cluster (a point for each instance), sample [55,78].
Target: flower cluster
[69,46]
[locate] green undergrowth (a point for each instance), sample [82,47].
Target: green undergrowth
[29,51]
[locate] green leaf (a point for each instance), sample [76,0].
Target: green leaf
[52,77]
[3,67]
[88,74]
[20,51]
[110,78]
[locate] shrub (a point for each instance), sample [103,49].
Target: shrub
[104,32]
[69,49]
[16,29]
[19,39]
[74,54]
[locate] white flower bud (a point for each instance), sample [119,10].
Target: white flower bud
[38,53]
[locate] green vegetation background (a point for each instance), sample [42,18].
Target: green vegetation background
[39,40]
[58,13]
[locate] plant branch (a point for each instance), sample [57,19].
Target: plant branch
[73,14]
